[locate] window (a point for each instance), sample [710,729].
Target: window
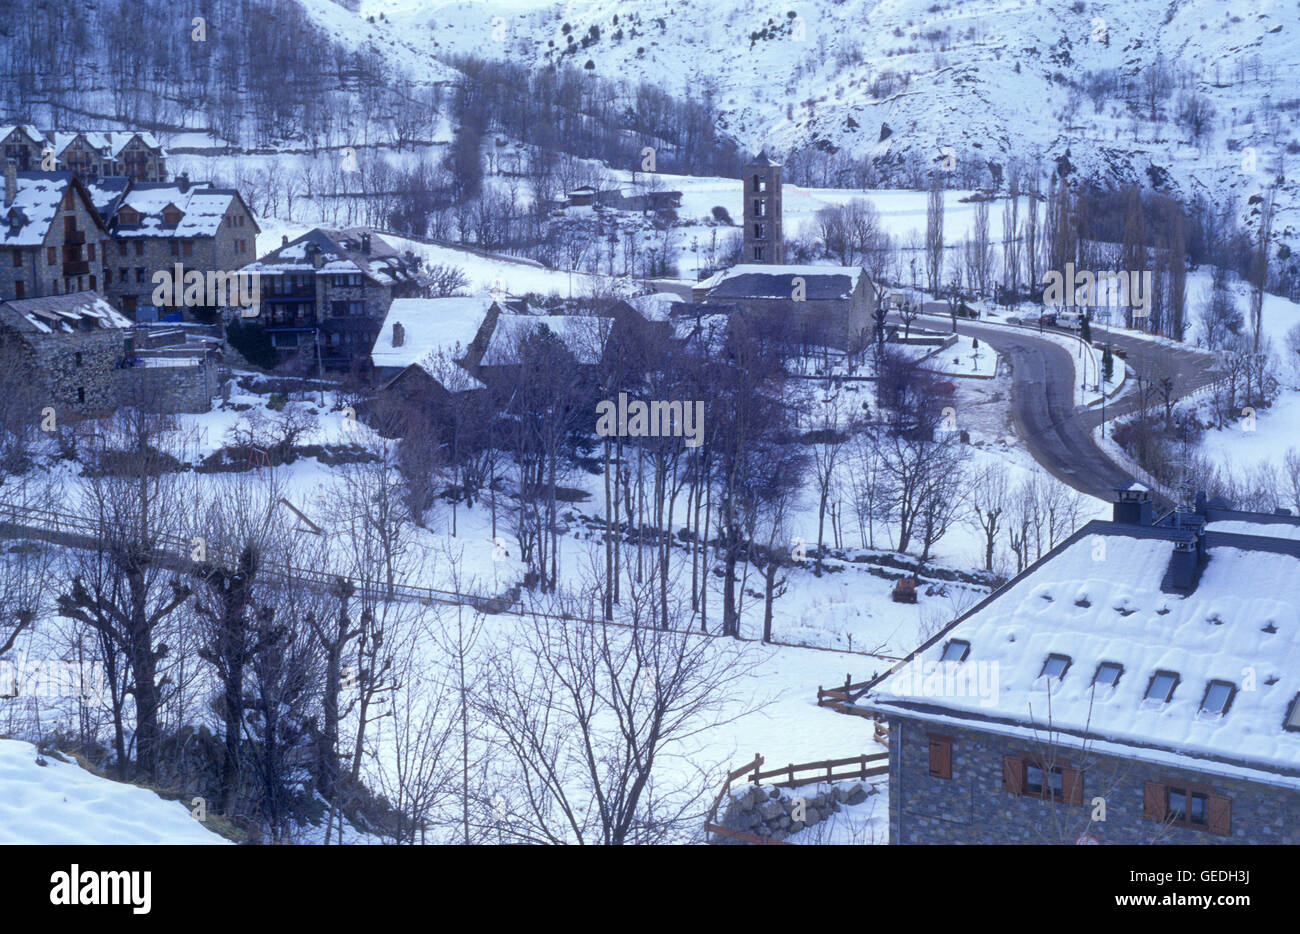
[139,248]
[121,248]
[1181,804]
[1107,675]
[76,358]
[139,274]
[1030,776]
[81,394]
[175,248]
[121,274]
[20,288]
[758,182]
[108,276]
[50,257]
[759,207]
[1218,697]
[187,248]
[941,757]
[94,284]
[90,251]
[18,257]
[760,232]
[1292,721]
[1043,782]
[758,254]
[1162,686]
[956,651]
[1055,666]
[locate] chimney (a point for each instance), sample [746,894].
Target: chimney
[183,182]
[11,181]
[284,240]
[1132,505]
[399,334]
[1182,573]
[365,243]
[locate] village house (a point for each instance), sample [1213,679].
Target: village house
[72,347]
[160,226]
[826,305]
[52,240]
[1137,685]
[333,288]
[23,146]
[428,349]
[583,337]
[90,155]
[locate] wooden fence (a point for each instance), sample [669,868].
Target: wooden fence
[790,776]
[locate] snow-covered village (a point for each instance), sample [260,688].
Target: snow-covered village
[832,422]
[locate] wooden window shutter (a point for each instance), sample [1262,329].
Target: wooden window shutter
[1220,814]
[1071,785]
[940,757]
[1013,774]
[1153,801]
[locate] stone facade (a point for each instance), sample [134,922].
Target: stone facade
[972,806]
[67,256]
[173,385]
[764,240]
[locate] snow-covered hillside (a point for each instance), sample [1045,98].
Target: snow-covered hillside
[45,800]
[923,83]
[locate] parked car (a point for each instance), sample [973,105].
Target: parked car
[1047,319]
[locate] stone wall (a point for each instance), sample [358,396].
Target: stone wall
[972,806]
[177,388]
[769,811]
[75,372]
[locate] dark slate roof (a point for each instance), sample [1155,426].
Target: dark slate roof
[780,284]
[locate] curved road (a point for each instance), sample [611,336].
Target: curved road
[1059,435]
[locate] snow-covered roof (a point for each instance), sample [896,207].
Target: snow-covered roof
[67,313]
[1098,598]
[201,205]
[35,206]
[655,306]
[341,252]
[583,336]
[436,332]
[33,135]
[777,282]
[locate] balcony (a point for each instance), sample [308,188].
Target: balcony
[74,237]
[79,268]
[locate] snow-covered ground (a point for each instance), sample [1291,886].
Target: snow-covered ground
[45,799]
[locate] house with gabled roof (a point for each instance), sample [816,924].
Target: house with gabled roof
[1139,684]
[22,145]
[93,155]
[170,226]
[331,289]
[52,238]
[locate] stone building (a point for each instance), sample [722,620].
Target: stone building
[1137,685]
[763,238]
[23,146]
[330,290]
[72,346]
[830,305]
[166,227]
[91,155]
[52,239]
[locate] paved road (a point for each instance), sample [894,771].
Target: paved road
[1058,435]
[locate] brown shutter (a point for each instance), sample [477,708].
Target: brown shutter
[1013,774]
[940,757]
[1153,801]
[1220,814]
[1071,785]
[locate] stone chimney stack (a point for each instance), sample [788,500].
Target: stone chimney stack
[183,182]
[399,334]
[11,181]
[365,243]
